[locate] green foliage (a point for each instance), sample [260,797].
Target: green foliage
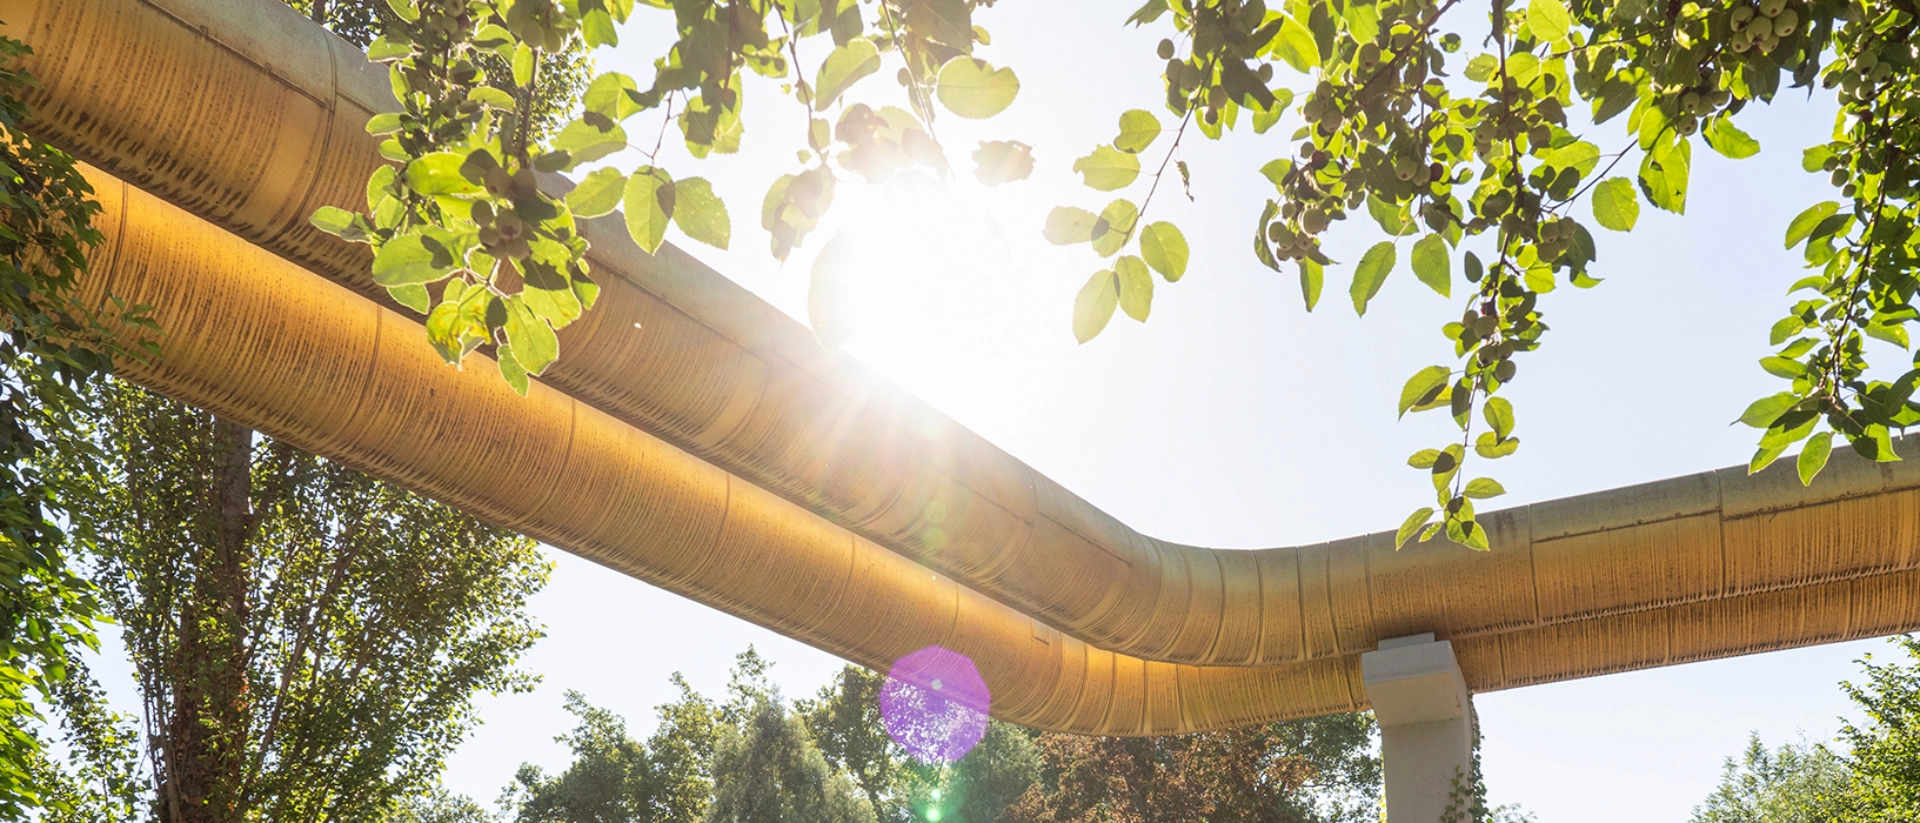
[1885,770]
[767,770]
[1791,784]
[467,212]
[1488,160]
[50,344]
[440,806]
[1319,769]
[610,778]
[307,640]
[844,720]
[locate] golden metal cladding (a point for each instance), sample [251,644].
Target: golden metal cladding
[244,113]
[1687,569]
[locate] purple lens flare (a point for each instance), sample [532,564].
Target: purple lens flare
[934,704]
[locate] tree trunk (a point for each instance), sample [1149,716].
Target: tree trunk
[211,711]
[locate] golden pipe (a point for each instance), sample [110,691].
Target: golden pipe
[260,340]
[245,113]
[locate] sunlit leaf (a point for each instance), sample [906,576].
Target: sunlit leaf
[648,202]
[1423,387]
[408,259]
[1374,267]
[1094,306]
[1481,488]
[1729,140]
[1412,526]
[1136,286]
[1433,264]
[439,174]
[1114,227]
[699,212]
[332,220]
[585,142]
[1804,223]
[534,343]
[1165,249]
[598,193]
[1765,411]
[1615,205]
[1813,456]
[510,369]
[1547,20]
[1138,129]
[1107,168]
[1312,277]
[843,67]
[1499,415]
[975,89]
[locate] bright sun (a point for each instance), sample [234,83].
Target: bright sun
[915,281]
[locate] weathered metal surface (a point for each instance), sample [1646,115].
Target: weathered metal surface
[243,113]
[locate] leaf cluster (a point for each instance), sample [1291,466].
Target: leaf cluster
[50,344]
[307,640]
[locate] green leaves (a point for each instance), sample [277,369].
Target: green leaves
[332,220]
[535,346]
[610,95]
[648,203]
[1766,411]
[1426,387]
[1411,527]
[843,67]
[438,174]
[1374,267]
[1138,129]
[1002,161]
[1312,277]
[1804,223]
[586,142]
[1726,138]
[1813,456]
[1548,20]
[1107,168]
[1499,416]
[597,194]
[1294,44]
[1094,306]
[1615,206]
[1114,227]
[1663,175]
[409,259]
[1136,286]
[1433,264]
[1165,249]
[974,89]
[1481,488]
[700,214]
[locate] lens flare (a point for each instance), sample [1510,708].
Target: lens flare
[934,704]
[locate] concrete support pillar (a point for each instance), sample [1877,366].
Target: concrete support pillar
[1426,724]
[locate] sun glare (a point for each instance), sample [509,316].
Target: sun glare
[916,281]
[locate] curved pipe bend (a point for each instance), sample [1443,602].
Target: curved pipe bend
[245,113]
[266,343]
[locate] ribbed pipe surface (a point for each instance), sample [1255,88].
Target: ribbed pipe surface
[1693,568]
[245,113]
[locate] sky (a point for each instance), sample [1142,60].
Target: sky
[1233,417]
